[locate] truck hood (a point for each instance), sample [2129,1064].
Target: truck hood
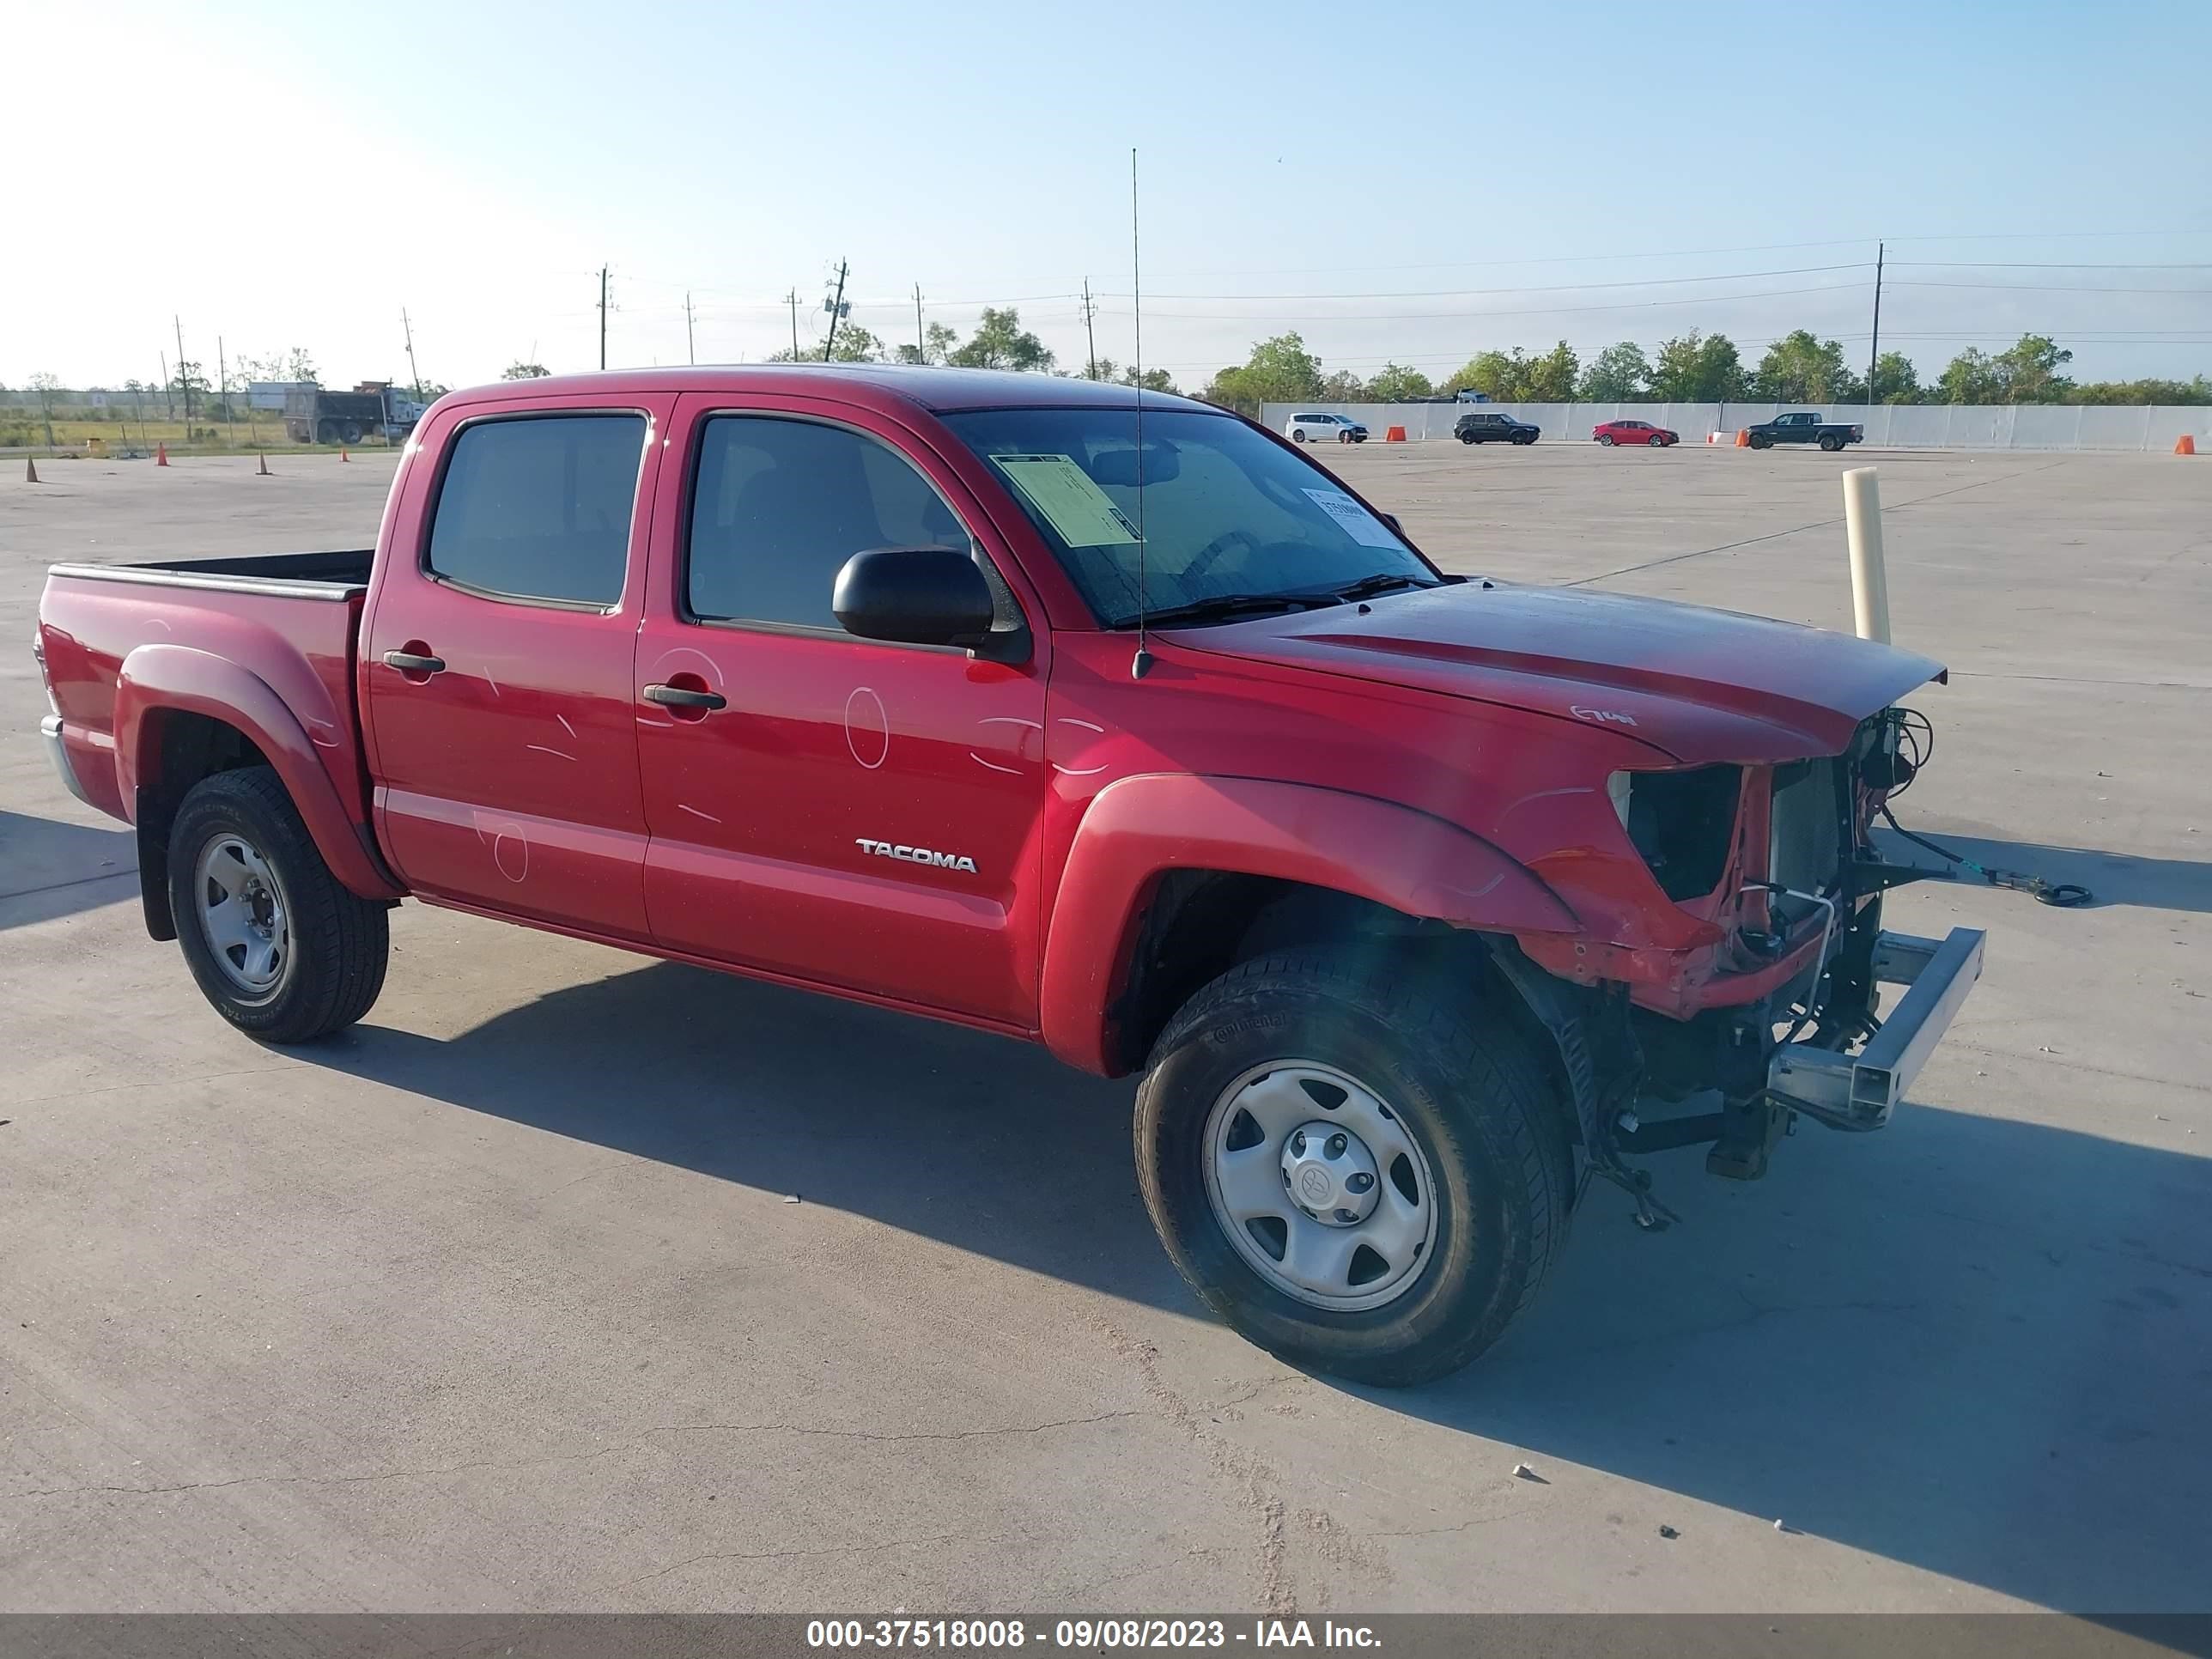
[1699,685]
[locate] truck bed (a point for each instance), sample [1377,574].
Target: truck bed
[289,620]
[328,573]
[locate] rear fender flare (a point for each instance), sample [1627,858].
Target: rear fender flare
[1138,828]
[156,679]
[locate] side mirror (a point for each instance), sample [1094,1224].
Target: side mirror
[913,595]
[1391,519]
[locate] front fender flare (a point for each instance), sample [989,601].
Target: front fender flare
[1138,827]
[156,679]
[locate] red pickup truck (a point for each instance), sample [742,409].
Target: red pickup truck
[1133,732]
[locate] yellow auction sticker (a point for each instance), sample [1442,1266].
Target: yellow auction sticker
[1070,499]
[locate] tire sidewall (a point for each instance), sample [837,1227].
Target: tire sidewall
[1478,1262]
[204,816]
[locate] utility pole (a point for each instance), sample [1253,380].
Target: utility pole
[793,298]
[222,384]
[691,341]
[168,391]
[1874,348]
[1090,339]
[408,329]
[920,345]
[184,381]
[603,316]
[836,309]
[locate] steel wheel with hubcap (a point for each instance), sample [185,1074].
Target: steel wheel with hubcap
[278,945]
[241,914]
[1363,1173]
[1319,1187]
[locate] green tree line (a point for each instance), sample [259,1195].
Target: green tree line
[1697,367]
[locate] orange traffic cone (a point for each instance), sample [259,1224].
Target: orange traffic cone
[30,471]
[343,456]
[1743,438]
[265,472]
[2184,445]
[161,454]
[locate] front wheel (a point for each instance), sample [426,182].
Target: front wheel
[1606,438]
[283,952]
[1467,437]
[1524,437]
[1758,442]
[1357,1174]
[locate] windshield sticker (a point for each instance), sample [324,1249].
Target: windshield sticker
[1070,499]
[1361,525]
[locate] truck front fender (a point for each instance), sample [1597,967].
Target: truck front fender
[159,679]
[1138,828]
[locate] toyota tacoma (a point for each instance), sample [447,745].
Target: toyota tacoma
[1105,719]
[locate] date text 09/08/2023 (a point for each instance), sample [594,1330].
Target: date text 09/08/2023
[1083,1635]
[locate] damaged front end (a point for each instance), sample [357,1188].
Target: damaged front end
[1775,1011]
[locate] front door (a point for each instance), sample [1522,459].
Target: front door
[497,663]
[829,808]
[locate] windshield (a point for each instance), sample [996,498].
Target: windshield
[1226,513]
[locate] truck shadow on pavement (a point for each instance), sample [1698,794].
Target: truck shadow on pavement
[49,867]
[1979,1346]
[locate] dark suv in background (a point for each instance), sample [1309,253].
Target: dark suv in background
[1489,426]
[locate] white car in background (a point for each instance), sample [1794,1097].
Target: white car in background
[1312,429]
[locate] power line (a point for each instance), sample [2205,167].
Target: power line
[1537,288]
[1536,311]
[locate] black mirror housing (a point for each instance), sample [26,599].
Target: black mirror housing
[913,596]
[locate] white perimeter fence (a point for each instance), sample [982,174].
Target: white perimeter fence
[1888,426]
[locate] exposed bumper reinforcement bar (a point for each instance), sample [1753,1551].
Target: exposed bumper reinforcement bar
[50,733]
[1860,1091]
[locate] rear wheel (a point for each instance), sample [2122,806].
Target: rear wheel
[328,433]
[1832,443]
[1298,436]
[1356,1172]
[283,952]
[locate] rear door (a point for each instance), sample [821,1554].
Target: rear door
[497,663]
[853,813]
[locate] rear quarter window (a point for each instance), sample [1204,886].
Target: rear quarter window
[538,507]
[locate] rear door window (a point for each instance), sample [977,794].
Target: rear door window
[539,508]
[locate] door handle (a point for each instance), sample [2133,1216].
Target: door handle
[411,662]
[682,696]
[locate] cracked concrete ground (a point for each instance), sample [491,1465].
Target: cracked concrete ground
[496,1303]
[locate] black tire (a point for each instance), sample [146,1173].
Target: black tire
[1298,436]
[339,942]
[1344,437]
[1832,443]
[1469,438]
[1467,1089]
[351,432]
[1606,439]
[1524,438]
[328,433]
[1758,442]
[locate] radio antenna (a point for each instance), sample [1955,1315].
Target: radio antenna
[1141,664]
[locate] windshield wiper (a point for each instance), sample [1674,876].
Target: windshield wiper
[1368,586]
[1226,607]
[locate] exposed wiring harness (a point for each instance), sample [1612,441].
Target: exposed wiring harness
[1914,738]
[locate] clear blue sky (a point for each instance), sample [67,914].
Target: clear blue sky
[295,175]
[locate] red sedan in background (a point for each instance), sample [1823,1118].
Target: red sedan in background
[1635,432]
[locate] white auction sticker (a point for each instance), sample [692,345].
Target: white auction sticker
[1363,526]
